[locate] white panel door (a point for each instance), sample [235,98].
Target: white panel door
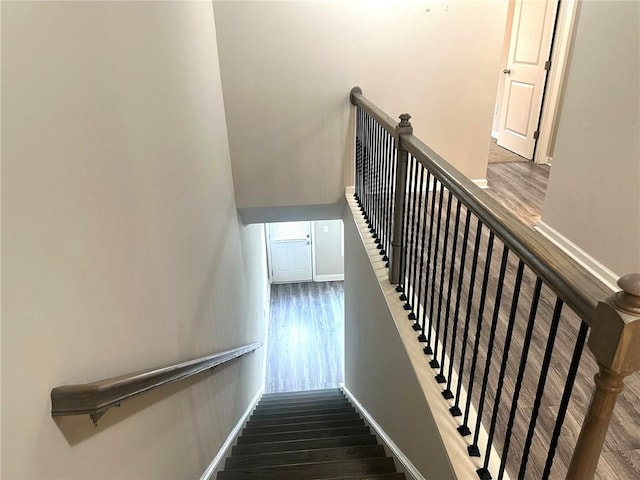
[290,246]
[529,48]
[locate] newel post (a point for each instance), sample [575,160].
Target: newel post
[615,342]
[395,256]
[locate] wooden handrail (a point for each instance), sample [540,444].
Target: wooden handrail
[614,317]
[571,282]
[95,398]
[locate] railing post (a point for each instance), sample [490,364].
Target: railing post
[395,256]
[615,342]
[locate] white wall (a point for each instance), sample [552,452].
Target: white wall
[121,243]
[593,197]
[328,250]
[377,367]
[287,68]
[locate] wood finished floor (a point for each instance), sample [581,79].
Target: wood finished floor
[305,347]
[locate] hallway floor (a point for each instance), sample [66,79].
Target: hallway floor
[305,346]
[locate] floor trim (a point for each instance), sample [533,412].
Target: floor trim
[481,182]
[408,466]
[329,278]
[209,473]
[579,255]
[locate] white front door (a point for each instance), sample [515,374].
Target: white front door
[290,247]
[529,48]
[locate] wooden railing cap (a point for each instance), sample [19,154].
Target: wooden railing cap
[628,299]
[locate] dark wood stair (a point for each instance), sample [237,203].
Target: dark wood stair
[307,435]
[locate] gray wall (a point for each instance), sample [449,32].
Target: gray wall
[328,247]
[121,244]
[377,369]
[593,197]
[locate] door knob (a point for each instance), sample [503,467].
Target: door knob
[506,71]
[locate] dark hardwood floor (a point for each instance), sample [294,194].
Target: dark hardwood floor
[305,347]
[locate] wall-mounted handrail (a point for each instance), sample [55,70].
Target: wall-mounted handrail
[95,398]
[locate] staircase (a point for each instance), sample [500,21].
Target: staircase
[307,435]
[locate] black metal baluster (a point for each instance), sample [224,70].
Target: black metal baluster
[523,364]
[375,204]
[434,345]
[447,393]
[483,472]
[410,290]
[555,321]
[365,166]
[416,316]
[464,428]
[358,180]
[416,304]
[440,378]
[392,193]
[455,410]
[426,337]
[473,449]
[405,232]
[385,197]
[434,362]
[566,396]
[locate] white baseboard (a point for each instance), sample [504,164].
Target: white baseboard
[583,258]
[216,463]
[408,466]
[494,134]
[481,182]
[329,278]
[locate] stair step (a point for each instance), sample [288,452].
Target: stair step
[284,436]
[308,471]
[263,422]
[305,444]
[303,393]
[354,421]
[304,456]
[265,415]
[379,476]
[302,398]
[336,402]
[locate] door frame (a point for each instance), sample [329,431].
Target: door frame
[554,86]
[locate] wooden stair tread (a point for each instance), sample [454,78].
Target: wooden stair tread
[307,436]
[287,412]
[322,433]
[354,421]
[379,476]
[305,444]
[310,402]
[304,456]
[326,417]
[308,471]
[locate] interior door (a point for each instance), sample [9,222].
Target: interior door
[529,49]
[290,247]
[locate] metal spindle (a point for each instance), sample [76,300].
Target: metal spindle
[566,396]
[464,428]
[483,472]
[455,410]
[416,304]
[405,243]
[440,378]
[447,393]
[523,363]
[409,289]
[473,449]
[434,362]
[555,321]
[426,337]
[423,199]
